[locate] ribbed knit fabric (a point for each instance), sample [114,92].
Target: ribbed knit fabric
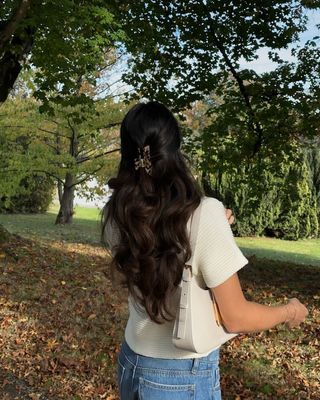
[216,257]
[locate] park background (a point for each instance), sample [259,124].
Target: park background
[243,78]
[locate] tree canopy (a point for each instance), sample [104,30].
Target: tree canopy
[66,148]
[62,41]
[194,52]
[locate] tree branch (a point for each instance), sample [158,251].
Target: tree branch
[11,60]
[83,159]
[89,174]
[86,153]
[112,63]
[107,86]
[254,123]
[34,171]
[111,125]
[49,174]
[73,141]
[53,133]
[11,25]
[52,147]
[112,96]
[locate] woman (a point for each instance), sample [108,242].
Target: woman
[146,224]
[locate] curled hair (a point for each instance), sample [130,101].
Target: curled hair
[151,212]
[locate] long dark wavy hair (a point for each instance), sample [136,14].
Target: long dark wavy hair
[151,211]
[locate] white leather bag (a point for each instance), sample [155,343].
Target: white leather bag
[197,326]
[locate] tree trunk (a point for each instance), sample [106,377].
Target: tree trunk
[10,26]
[11,62]
[65,214]
[60,192]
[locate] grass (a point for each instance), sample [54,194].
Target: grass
[306,251]
[84,229]
[86,226]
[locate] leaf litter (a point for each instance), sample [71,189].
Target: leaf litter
[62,322]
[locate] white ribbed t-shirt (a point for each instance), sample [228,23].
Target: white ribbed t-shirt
[216,257]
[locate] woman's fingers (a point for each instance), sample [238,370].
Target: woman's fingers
[229,216]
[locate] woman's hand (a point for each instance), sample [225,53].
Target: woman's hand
[296,313]
[229,215]
[241,315]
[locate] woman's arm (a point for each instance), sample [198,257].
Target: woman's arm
[240,315]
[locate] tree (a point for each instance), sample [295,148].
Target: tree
[274,200]
[194,50]
[87,146]
[312,159]
[62,41]
[69,147]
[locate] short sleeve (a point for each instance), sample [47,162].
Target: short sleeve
[216,253]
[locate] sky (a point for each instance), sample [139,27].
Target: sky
[263,64]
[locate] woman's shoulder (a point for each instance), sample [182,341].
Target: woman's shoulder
[211,205]
[213,218]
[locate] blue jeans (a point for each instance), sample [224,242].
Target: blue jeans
[147,378]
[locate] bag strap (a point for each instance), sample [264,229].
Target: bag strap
[194,227]
[187,274]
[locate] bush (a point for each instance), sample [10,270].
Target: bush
[281,204]
[35,195]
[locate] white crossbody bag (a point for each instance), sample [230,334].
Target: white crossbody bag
[198,327]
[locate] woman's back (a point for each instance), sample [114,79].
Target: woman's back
[146,224]
[215,257]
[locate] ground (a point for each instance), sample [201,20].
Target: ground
[62,322]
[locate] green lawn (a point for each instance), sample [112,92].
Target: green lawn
[305,252]
[84,229]
[86,226]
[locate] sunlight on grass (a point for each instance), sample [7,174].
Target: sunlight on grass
[92,213]
[305,251]
[85,229]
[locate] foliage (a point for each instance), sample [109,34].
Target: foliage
[280,205]
[298,217]
[81,144]
[197,43]
[273,196]
[312,156]
[194,52]
[17,152]
[63,41]
[35,195]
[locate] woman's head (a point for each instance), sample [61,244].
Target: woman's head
[151,210]
[150,124]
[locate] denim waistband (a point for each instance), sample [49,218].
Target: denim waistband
[138,360]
